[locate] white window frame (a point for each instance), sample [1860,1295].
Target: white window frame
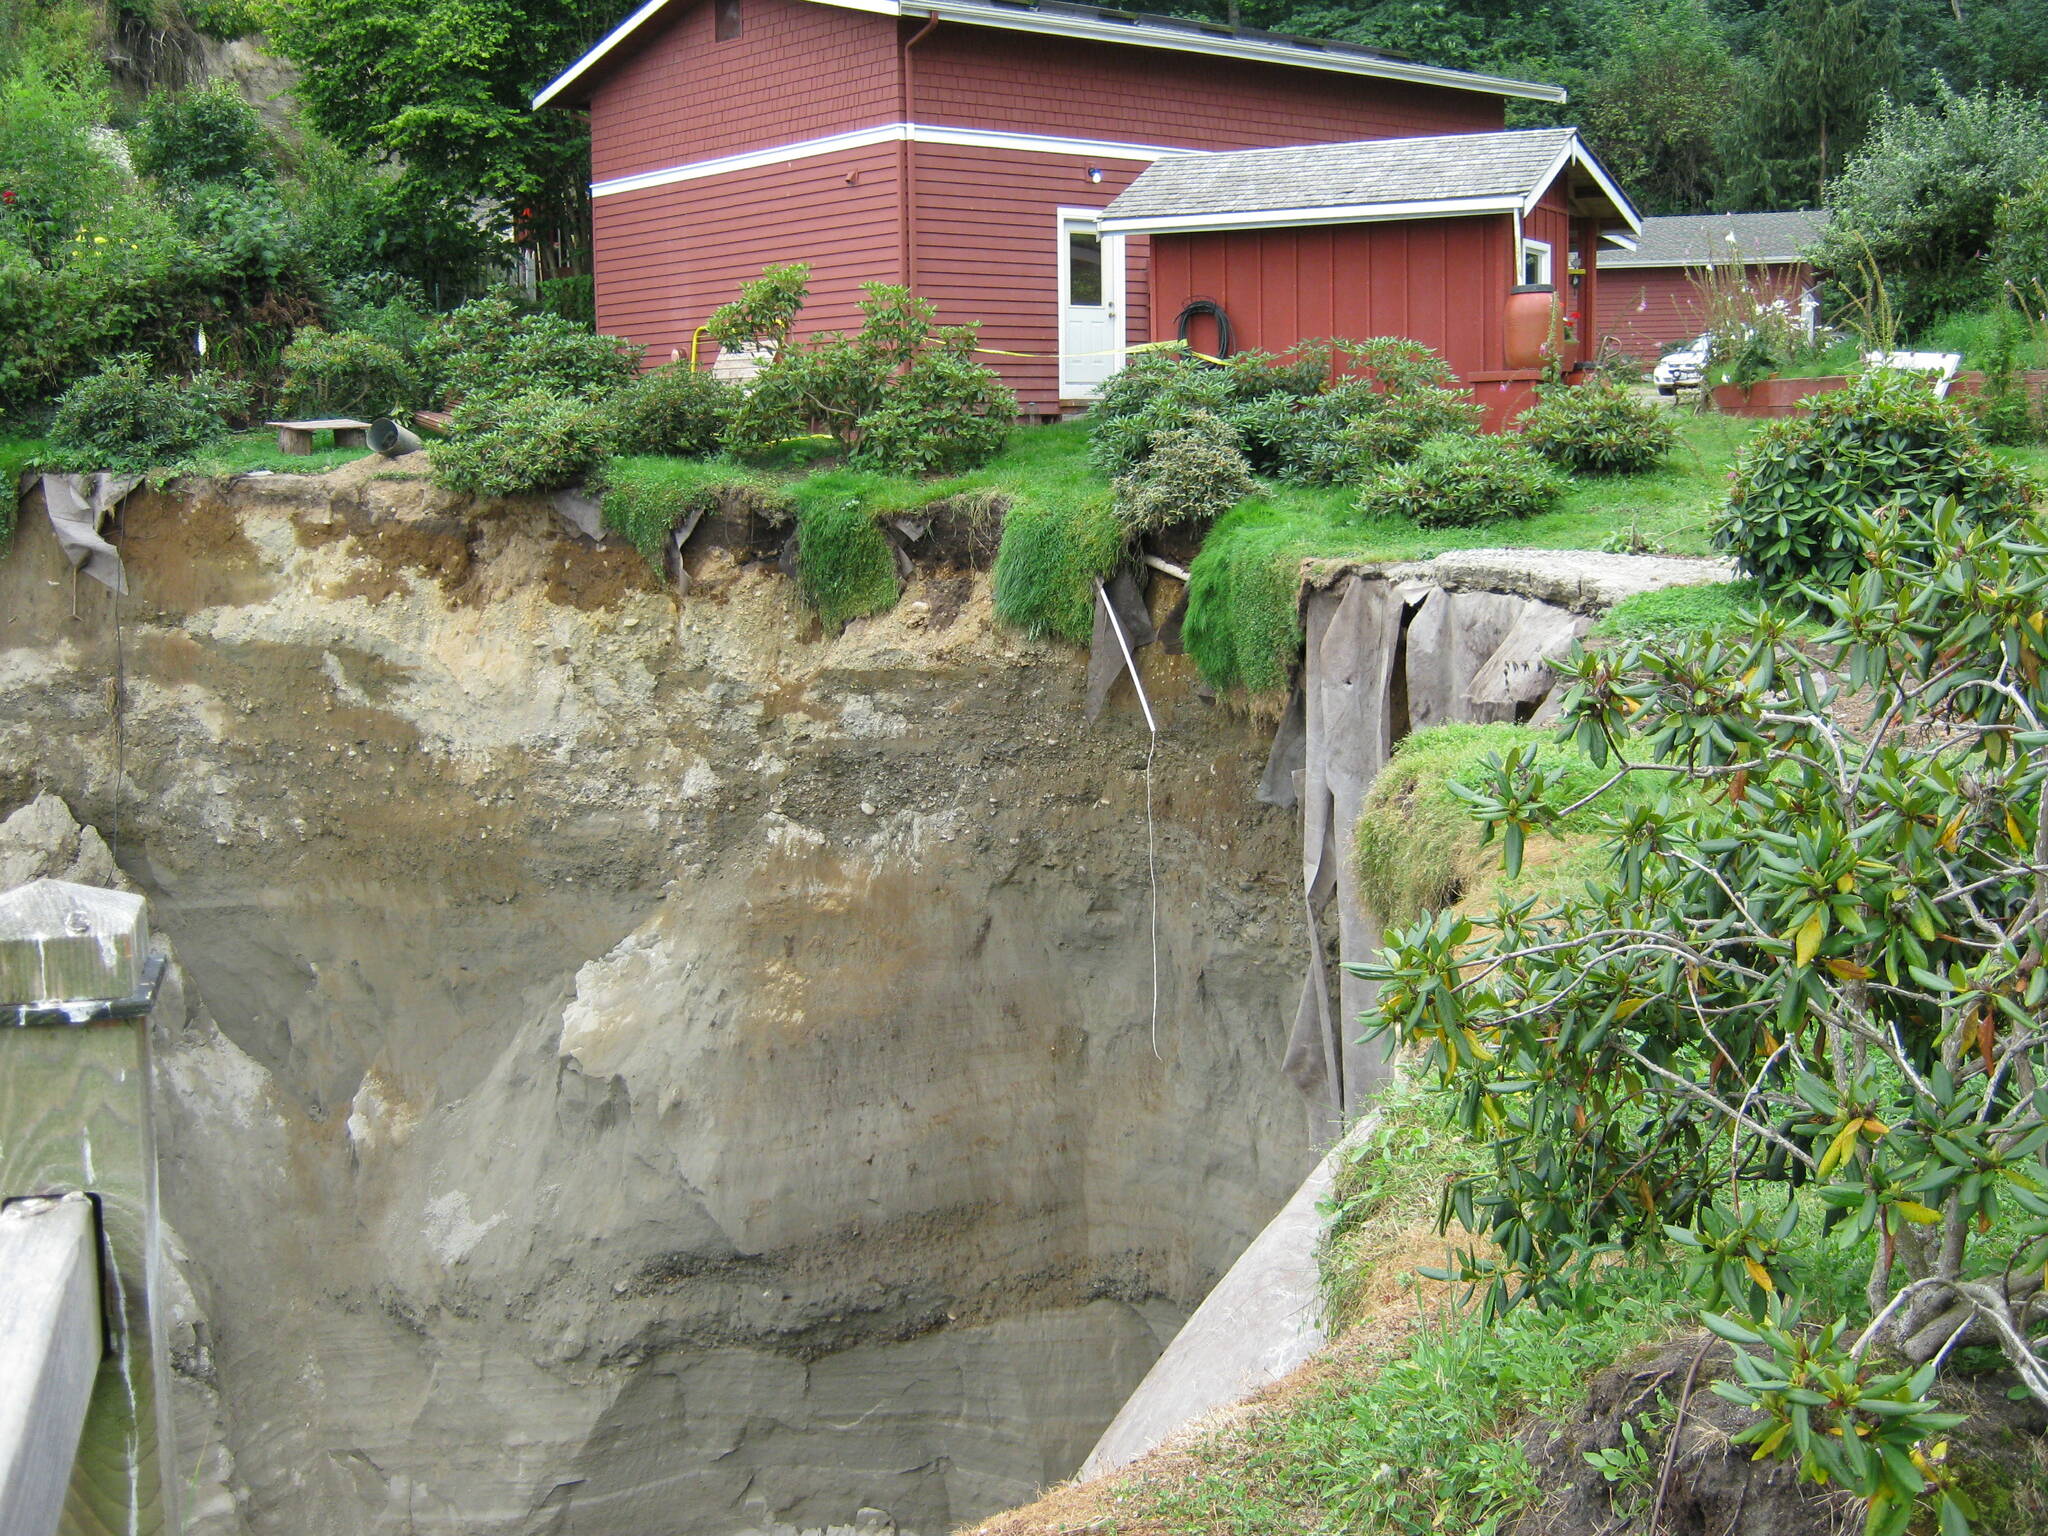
[1114,265]
[1540,249]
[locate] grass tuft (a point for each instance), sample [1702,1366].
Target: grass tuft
[1049,560]
[1417,844]
[844,564]
[1677,610]
[645,497]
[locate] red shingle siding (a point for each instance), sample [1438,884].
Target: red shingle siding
[995,258]
[796,71]
[1650,310]
[668,256]
[979,77]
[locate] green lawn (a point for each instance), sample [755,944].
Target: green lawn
[16,454]
[246,451]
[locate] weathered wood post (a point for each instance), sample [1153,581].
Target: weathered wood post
[77,982]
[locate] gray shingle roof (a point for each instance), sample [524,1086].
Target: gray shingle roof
[1701,240]
[1376,171]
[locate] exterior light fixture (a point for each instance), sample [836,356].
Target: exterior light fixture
[1095,173]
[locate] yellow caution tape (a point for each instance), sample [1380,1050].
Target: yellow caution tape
[1143,346]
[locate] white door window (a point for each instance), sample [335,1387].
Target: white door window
[1091,266]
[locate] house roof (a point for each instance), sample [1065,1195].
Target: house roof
[1703,240]
[1376,179]
[1098,24]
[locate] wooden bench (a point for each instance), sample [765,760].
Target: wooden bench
[297,436]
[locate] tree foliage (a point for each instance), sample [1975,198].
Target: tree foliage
[1920,203]
[444,91]
[1798,1021]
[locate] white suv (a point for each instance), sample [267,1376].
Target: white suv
[1682,369]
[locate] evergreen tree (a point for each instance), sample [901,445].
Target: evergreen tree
[1826,66]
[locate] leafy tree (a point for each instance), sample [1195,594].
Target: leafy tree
[1830,63]
[1920,200]
[1798,1021]
[1656,106]
[443,91]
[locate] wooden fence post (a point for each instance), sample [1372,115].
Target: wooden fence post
[77,981]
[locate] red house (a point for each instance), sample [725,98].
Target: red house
[1416,237]
[1651,301]
[966,148]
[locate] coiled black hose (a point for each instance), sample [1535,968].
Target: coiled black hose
[1195,307]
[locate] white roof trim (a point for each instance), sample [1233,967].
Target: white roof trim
[880,133]
[1340,213]
[1096,30]
[1574,149]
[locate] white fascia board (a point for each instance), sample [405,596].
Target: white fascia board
[1574,150]
[605,44]
[1621,239]
[881,133]
[1281,218]
[1134,34]
[1139,35]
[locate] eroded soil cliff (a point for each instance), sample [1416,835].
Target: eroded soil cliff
[653,1067]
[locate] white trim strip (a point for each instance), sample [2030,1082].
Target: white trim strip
[1132,33]
[1343,213]
[880,133]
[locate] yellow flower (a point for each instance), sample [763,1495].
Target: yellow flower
[99,239]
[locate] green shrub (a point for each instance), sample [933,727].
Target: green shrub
[1802,484]
[529,443]
[126,418]
[208,133]
[1388,425]
[1191,474]
[487,349]
[944,413]
[1049,561]
[1157,394]
[901,394]
[58,173]
[344,373]
[671,410]
[845,567]
[1460,482]
[1601,429]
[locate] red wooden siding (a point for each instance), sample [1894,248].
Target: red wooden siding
[994,258]
[980,222]
[979,77]
[1442,282]
[796,71]
[668,256]
[1650,310]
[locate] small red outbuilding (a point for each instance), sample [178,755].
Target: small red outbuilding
[1416,237]
[1653,301]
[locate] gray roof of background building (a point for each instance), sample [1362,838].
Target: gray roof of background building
[1701,240]
[1445,168]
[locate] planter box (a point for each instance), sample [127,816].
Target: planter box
[1773,397]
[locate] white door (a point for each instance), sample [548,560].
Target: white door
[1091,304]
